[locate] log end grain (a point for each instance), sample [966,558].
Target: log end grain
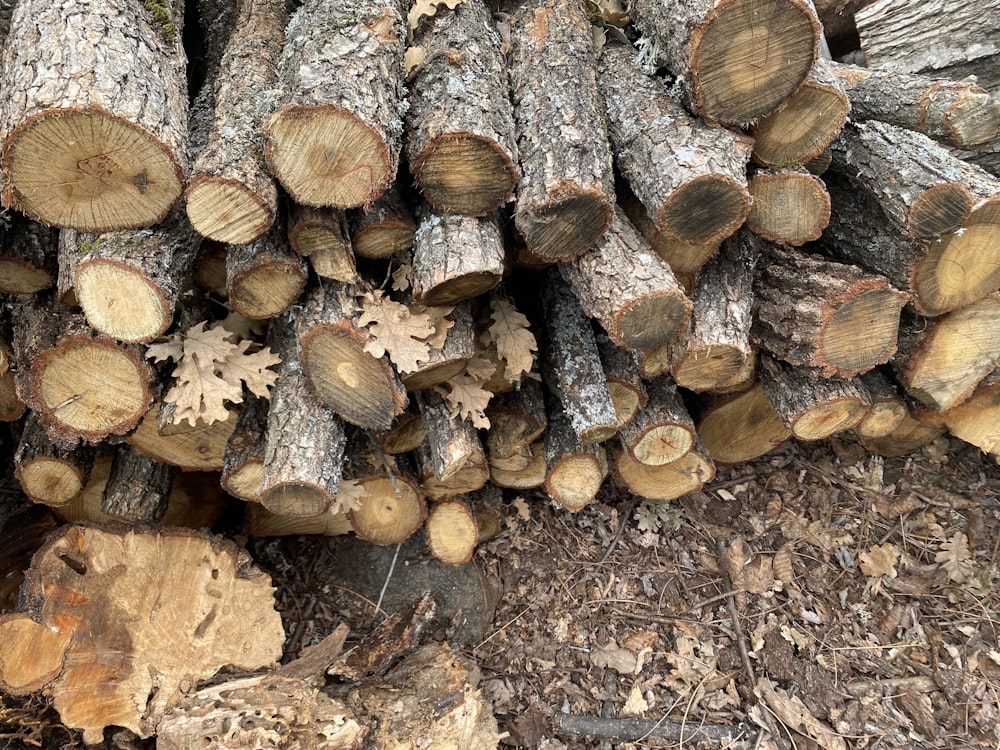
[244,481]
[708,368]
[802,129]
[882,419]
[390,513]
[911,435]
[742,428]
[574,481]
[567,225]
[973,120]
[662,444]
[428,377]
[789,207]
[705,210]
[266,291]
[939,209]
[18,276]
[862,332]
[198,448]
[296,499]
[121,302]
[464,173]
[51,480]
[830,418]
[226,211]
[452,533]
[668,481]
[455,290]
[384,240]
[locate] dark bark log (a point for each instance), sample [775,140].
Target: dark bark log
[662,431]
[198,448]
[790,206]
[385,228]
[138,487]
[321,234]
[456,258]
[565,198]
[742,427]
[452,532]
[668,481]
[27,255]
[48,473]
[487,508]
[453,441]
[243,460]
[450,360]
[621,373]
[264,278]
[107,116]
[576,470]
[887,410]
[635,729]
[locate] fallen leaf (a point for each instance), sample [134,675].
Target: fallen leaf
[613,656]
[635,704]
[793,712]
[395,330]
[956,558]
[515,343]
[879,561]
[522,508]
[350,495]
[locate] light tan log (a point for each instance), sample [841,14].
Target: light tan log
[322,235]
[790,206]
[741,427]
[888,408]
[452,532]
[531,475]
[576,470]
[621,373]
[668,481]
[456,257]
[199,448]
[390,502]
[662,431]
[385,228]
[911,435]
[49,474]
[264,278]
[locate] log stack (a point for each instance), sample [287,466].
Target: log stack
[486,252]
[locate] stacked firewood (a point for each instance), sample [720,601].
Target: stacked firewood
[714,237]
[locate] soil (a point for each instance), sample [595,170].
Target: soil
[820,597]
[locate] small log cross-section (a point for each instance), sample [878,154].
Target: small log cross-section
[335,137]
[27,256]
[383,229]
[96,139]
[264,278]
[574,471]
[662,431]
[742,427]
[456,257]
[389,502]
[565,198]
[48,473]
[665,481]
[888,408]
[243,459]
[452,532]
[790,206]
[321,234]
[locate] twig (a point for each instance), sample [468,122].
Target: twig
[622,523]
[734,615]
[634,729]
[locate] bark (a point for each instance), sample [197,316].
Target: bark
[888,408]
[737,60]
[456,258]
[199,448]
[230,197]
[715,347]
[335,137]
[470,477]
[741,427]
[11,406]
[662,431]
[621,373]
[385,228]
[566,195]
[243,460]
[690,176]
[129,282]
[461,146]
[450,360]
[790,206]
[322,235]
[107,114]
[305,439]
[828,316]
[452,441]
[451,531]
[955,113]
[265,278]
[668,481]
[576,470]
[48,473]
[628,288]
[488,510]
[27,255]
[138,487]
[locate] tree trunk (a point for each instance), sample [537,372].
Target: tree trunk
[107,115]
[321,234]
[264,278]
[742,427]
[461,147]
[738,60]
[667,481]
[335,137]
[888,408]
[662,431]
[243,460]
[27,255]
[790,206]
[48,473]
[452,532]
[456,258]
[576,470]
[565,198]
[385,228]
[138,487]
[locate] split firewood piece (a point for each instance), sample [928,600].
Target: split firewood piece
[517,419]
[621,373]
[456,257]
[48,473]
[385,228]
[628,288]
[405,434]
[230,197]
[887,410]
[264,278]
[805,126]
[460,123]
[690,176]
[198,448]
[575,470]
[741,427]
[956,113]
[452,440]
[667,481]
[529,476]
[362,388]
[138,487]
[565,198]
[715,347]
[263,522]
[911,435]
[243,460]
[305,438]
[573,364]
[790,206]
[662,431]
[82,386]
[96,140]
[811,407]
[452,532]
[819,314]
[389,505]
[335,138]
[470,477]
[941,361]
[321,234]
[975,419]
[128,282]
[739,60]
[925,190]
[445,362]
[93,606]
[27,255]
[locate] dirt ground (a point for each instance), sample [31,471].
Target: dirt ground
[821,597]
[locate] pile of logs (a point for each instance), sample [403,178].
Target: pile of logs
[752,244]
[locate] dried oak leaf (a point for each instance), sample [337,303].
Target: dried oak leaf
[466,397]
[423,8]
[514,342]
[879,561]
[350,493]
[956,558]
[395,330]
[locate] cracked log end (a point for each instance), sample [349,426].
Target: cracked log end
[226,211]
[705,210]
[669,481]
[391,511]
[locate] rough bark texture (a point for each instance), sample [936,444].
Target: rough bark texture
[265,278]
[321,234]
[628,288]
[662,430]
[96,139]
[469,477]
[461,145]
[383,229]
[335,138]
[138,487]
[27,255]
[452,440]
[621,373]
[450,360]
[742,427]
[690,176]
[243,460]
[790,206]
[456,257]
[738,60]
[565,198]
[576,470]
[48,473]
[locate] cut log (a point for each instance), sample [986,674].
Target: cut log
[565,198]
[321,234]
[27,255]
[453,441]
[107,116]
[715,346]
[460,123]
[738,60]
[199,448]
[662,431]
[470,477]
[385,228]
[668,481]
[264,278]
[572,364]
[911,435]
[888,408]
[263,522]
[305,438]
[364,390]
[230,197]
[690,176]
[452,532]
[517,419]
[741,427]
[818,314]
[621,373]
[806,125]
[576,470]
[389,504]
[531,475]
[456,257]
[955,113]
[243,460]
[406,433]
[335,137]
[628,288]
[210,268]
[48,473]
[128,282]
[790,206]
[941,361]
[450,360]
[975,419]
[812,408]
[487,508]
[138,487]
